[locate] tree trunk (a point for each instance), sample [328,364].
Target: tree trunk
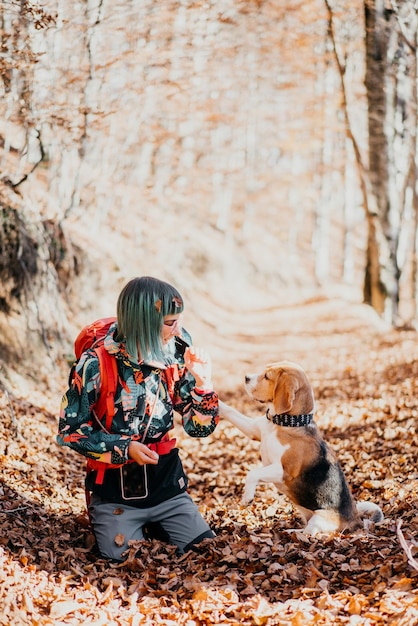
[391,84]
[381,283]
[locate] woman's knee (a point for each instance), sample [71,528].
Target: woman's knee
[208,534]
[114,530]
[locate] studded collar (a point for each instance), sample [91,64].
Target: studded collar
[293,421]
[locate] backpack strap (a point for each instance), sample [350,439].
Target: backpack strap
[105,405]
[162,447]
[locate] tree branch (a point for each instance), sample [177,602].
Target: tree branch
[402,28]
[407,547]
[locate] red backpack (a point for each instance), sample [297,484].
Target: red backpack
[91,337]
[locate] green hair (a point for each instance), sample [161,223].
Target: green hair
[141,308]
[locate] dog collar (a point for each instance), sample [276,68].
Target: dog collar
[285,419]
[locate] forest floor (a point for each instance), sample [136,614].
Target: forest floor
[254,572]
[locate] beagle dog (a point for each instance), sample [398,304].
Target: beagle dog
[294,455]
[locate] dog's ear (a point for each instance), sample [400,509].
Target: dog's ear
[284,392]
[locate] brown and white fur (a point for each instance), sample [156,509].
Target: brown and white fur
[296,458]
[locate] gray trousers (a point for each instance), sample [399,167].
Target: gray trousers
[179,517]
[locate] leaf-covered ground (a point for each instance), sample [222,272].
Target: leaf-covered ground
[255,571]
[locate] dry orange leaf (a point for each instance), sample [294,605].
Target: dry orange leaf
[63,608]
[119,539]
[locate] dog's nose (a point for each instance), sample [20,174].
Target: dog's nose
[247,379]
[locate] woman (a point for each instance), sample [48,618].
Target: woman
[159,371]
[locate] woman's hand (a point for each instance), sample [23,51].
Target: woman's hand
[142,454]
[199,365]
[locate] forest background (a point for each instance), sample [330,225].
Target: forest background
[262,156]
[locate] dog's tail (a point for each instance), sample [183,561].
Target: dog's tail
[371,510]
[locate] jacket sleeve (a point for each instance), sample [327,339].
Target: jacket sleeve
[199,409]
[76,428]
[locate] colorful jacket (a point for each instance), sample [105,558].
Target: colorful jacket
[143,389]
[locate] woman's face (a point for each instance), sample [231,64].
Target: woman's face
[171,327]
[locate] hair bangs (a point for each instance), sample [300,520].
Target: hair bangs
[171,305]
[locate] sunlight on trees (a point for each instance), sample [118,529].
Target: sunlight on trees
[271,123]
